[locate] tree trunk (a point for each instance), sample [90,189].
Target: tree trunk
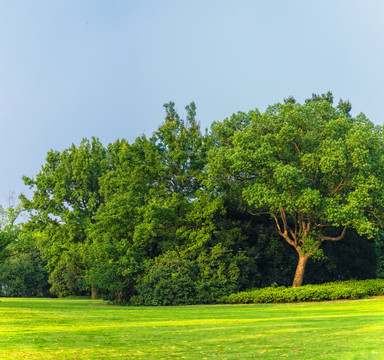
[93,293]
[299,275]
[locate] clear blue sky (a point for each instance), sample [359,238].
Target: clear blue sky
[72,69]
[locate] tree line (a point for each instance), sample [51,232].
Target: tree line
[186,216]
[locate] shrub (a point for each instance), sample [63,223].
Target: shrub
[66,280]
[169,280]
[219,274]
[172,280]
[351,289]
[24,275]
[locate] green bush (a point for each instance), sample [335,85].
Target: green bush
[24,275]
[351,289]
[172,280]
[66,280]
[220,273]
[169,280]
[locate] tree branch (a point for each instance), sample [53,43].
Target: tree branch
[341,184]
[260,213]
[277,224]
[284,234]
[329,238]
[297,148]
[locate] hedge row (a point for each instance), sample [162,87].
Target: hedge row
[351,289]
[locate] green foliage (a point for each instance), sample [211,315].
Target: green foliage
[24,275]
[22,271]
[155,203]
[66,191]
[311,167]
[329,291]
[172,280]
[66,280]
[9,230]
[66,197]
[169,219]
[379,248]
[115,270]
[272,261]
[220,273]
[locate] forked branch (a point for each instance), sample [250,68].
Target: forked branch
[284,233]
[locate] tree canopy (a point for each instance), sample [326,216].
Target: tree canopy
[192,216]
[9,230]
[311,167]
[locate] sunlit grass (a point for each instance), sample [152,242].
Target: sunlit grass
[88,329]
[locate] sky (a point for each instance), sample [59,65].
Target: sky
[74,69]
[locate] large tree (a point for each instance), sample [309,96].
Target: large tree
[65,199]
[312,167]
[154,203]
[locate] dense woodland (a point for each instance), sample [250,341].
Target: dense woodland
[290,196]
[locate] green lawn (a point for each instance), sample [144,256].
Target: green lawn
[89,329]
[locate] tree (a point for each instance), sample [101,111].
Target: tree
[65,199]
[154,203]
[9,230]
[312,167]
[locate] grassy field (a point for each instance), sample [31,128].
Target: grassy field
[89,329]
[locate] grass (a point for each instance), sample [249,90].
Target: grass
[89,329]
